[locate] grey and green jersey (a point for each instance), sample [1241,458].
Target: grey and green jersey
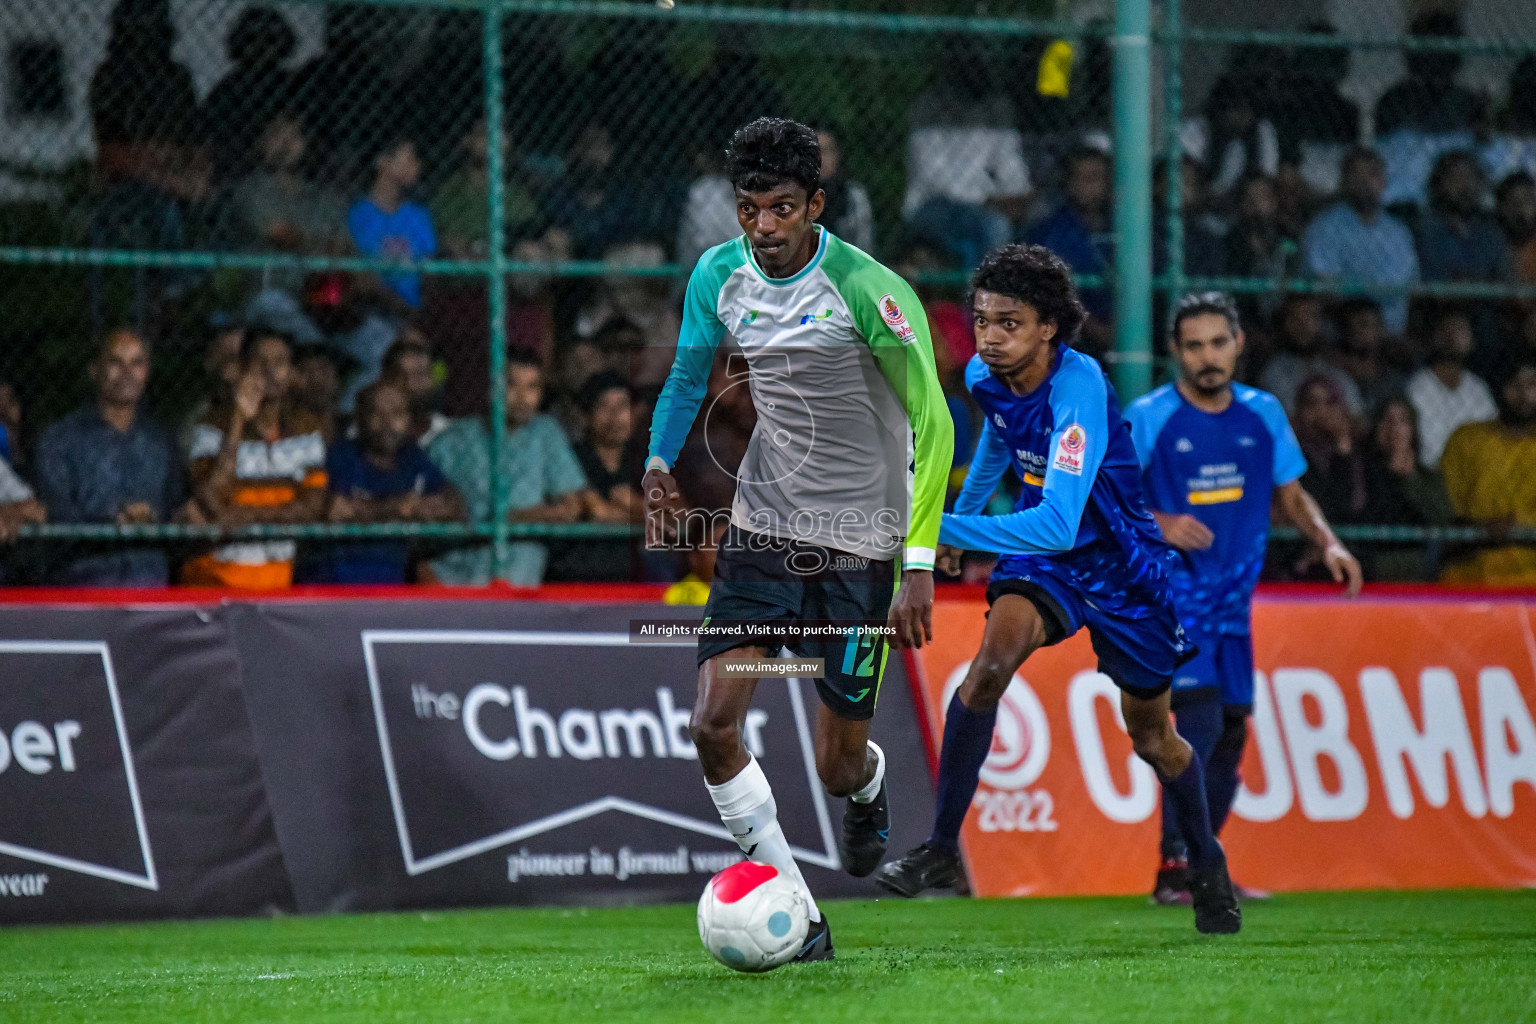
[853,442]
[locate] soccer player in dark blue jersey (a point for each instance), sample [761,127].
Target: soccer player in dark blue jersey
[1216,457]
[1079,549]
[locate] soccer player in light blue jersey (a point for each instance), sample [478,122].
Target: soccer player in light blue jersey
[1216,456]
[1080,549]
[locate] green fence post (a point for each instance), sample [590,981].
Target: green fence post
[1173,167]
[496,280]
[1133,200]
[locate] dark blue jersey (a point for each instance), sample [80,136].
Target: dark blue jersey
[1081,502]
[1222,469]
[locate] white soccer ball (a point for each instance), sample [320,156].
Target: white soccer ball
[752,918]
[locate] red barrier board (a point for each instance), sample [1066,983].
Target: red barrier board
[1392,746]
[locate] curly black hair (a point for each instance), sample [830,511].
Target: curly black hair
[771,151]
[1037,277]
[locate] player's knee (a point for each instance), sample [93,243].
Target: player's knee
[985,683]
[1158,744]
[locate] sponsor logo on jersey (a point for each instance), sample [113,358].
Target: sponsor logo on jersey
[1183,445]
[1246,442]
[811,318]
[751,317]
[998,419]
[891,313]
[1070,449]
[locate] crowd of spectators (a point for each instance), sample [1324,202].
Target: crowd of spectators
[361,398]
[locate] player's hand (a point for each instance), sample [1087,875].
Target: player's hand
[912,611]
[1185,532]
[1344,567]
[946,559]
[662,501]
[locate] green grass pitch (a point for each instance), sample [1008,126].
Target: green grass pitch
[1357,957]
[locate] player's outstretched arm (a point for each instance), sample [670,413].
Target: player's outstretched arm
[1303,512]
[1080,406]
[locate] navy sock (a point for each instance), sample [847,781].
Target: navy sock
[1200,725]
[967,740]
[1187,794]
[1221,768]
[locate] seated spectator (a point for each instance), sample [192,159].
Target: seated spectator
[1361,354]
[1515,204]
[1231,141]
[143,103]
[385,225]
[1335,474]
[1258,245]
[967,182]
[1301,356]
[107,462]
[578,362]
[221,370]
[1401,491]
[245,99]
[1445,394]
[612,468]
[278,209]
[642,301]
[1487,469]
[540,478]
[1204,246]
[1081,232]
[317,375]
[848,213]
[462,206]
[408,363]
[594,202]
[1457,241]
[18,505]
[382,476]
[1315,122]
[255,461]
[1428,100]
[1356,241]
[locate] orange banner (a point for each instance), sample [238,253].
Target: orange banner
[1392,746]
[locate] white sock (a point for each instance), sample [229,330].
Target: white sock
[746,807]
[872,788]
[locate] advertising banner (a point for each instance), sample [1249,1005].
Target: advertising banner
[129,785]
[1392,746]
[437,754]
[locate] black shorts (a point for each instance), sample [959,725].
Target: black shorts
[761,579]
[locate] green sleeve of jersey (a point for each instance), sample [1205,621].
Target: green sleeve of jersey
[891,318]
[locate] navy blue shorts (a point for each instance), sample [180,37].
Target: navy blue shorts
[1140,654]
[1222,670]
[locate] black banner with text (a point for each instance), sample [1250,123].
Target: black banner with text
[374,755]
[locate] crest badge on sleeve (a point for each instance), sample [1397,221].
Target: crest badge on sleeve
[896,320]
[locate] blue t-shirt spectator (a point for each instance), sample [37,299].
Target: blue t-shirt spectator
[1339,245]
[405,234]
[353,476]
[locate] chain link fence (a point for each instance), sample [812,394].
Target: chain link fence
[200,172]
